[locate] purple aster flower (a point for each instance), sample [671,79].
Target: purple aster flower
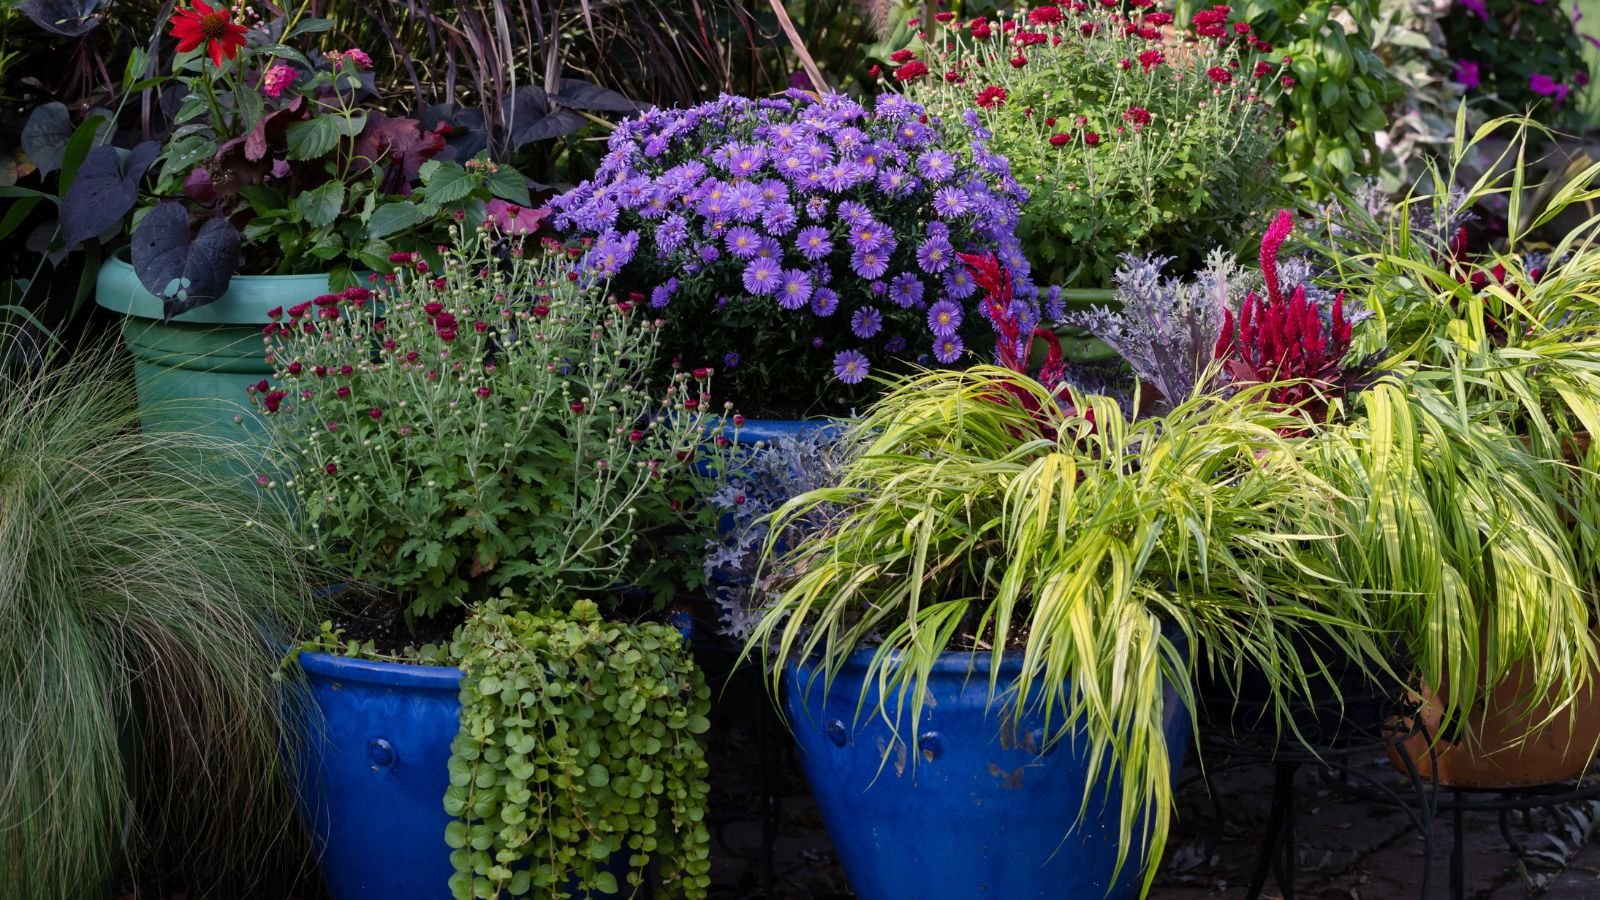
[814,243]
[870,263]
[714,205]
[1054,309]
[944,319]
[662,295]
[794,289]
[854,214]
[894,182]
[906,290]
[851,366]
[779,218]
[744,201]
[745,161]
[816,207]
[870,235]
[741,241]
[774,191]
[948,349]
[824,302]
[957,283]
[816,154]
[934,255]
[896,344]
[817,343]
[730,360]
[866,322]
[761,277]
[671,234]
[709,253]
[769,248]
[936,165]
[839,177]
[793,165]
[951,202]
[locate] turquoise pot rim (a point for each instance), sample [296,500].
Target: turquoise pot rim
[246,301]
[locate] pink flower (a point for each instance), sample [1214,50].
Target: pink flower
[513,219]
[359,57]
[276,80]
[1477,7]
[1545,86]
[1467,73]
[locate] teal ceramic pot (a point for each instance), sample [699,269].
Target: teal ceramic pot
[191,373]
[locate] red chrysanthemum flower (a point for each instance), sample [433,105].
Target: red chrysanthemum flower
[914,69]
[902,56]
[1263,69]
[1044,15]
[1018,61]
[1030,38]
[1060,140]
[213,27]
[1090,139]
[1219,75]
[992,97]
[1137,116]
[980,29]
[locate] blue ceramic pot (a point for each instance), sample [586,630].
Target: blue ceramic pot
[372,768]
[973,815]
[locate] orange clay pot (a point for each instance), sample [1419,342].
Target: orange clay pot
[1496,750]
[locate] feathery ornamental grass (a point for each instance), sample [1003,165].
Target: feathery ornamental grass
[139,705]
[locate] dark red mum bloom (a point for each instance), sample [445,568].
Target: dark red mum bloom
[1018,61]
[901,56]
[213,27]
[980,29]
[342,392]
[992,97]
[1091,139]
[1149,59]
[1137,116]
[1262,69]
[1044,15]
[1030,38]
[1060,140]
[330,468]
[274,400]
[1219,75]
[911,70]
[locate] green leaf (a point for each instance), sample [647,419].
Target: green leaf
[508,184]
[84,139]
[489,686]
[312,139]
[308,26]
[321,205]
[450,182]
[597,776]
[185,153]
[392,217]
[350,125]
[285,52]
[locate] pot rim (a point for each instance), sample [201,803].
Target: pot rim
[381,673]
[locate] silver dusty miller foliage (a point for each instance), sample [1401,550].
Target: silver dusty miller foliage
[1167,328]
[763,481]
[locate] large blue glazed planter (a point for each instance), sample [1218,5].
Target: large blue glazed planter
[974,815]
[372,768]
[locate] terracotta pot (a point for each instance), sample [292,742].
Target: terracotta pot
[1496,750]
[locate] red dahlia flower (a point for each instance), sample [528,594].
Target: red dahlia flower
[213,27]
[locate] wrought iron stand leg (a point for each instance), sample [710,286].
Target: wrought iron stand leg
[1282,801]
[1458,890]
[771,788]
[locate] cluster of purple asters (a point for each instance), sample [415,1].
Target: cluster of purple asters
[798,233]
